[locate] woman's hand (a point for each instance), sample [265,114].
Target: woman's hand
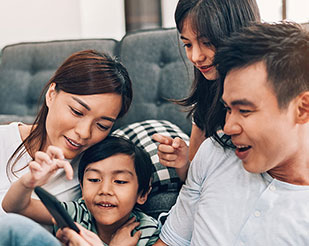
[173,153]
[44,165]
[123,237]
[84,238]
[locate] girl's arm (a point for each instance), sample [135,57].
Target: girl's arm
[175,152]
[196,139]
[18,198]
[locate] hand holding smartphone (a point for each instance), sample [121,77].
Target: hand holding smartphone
[55,208]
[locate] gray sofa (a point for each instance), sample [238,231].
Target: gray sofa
[156,67]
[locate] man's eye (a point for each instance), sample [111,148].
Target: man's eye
[245,111]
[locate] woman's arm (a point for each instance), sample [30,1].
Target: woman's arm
[18,198]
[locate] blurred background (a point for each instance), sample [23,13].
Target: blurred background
[43,20]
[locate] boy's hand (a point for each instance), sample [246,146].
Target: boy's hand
[44,165]
[172,152]
[123,234]
[85,238]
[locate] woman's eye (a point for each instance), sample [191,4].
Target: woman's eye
[102,127]
[76,112]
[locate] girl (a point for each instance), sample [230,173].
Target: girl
[202,25]
[83,99]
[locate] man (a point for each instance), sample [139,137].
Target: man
[258,192]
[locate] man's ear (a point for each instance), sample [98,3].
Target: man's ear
[50,94]
[141,199]
[302,115]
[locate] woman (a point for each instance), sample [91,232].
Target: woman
[202,25]
[83,99]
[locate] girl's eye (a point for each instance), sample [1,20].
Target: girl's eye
[102,127]
[207,44]
[120,182]
[94,180]
[186,45]
[75,112]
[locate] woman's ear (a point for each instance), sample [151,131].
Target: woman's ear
[50,94]
[302,116]
[141,199]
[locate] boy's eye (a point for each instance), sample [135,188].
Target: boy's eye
[76,112]
[93,180]
[120,182]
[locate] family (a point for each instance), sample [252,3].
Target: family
[245,171]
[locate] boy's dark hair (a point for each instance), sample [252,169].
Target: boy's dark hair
[113,145]
[282,47]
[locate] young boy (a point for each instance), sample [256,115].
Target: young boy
[114,176]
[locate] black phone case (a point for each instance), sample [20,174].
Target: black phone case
[55,208]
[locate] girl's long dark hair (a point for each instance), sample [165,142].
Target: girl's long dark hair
[86,72]
[214,20]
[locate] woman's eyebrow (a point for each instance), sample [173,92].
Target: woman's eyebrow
[82,103]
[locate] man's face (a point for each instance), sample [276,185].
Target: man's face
[264,135]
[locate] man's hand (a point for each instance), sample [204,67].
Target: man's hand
[123,237]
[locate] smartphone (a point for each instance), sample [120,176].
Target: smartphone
[55,208]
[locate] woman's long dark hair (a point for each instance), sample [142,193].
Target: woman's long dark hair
[86,72]
[214,20]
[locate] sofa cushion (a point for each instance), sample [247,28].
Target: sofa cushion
[26,67]
[140,133]
[159,71]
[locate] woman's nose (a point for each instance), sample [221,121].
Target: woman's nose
[83,129]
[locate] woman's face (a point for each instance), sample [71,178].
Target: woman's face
[76,122]
[199,51]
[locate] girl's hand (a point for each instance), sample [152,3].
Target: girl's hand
[123,237]
[172,152]
[85,238]
[44,165]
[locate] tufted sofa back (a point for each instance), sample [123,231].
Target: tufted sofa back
[152,58]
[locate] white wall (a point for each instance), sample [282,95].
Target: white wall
[40,20]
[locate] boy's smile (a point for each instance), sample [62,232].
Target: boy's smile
[110,191]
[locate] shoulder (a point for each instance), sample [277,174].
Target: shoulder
[211,156]
[144,219]
[149,227]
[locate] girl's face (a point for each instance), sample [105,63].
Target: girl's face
[76,122]
[199,51]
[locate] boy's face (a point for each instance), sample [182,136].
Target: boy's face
[265,136]
[110,190]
